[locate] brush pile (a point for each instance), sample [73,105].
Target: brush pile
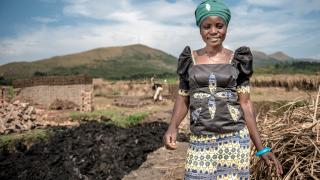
[294,138]
[297,81]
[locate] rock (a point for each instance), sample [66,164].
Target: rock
[16,102]
[24,105]
[105,118]
[26,117]
[30,110]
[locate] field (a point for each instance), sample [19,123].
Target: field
[122,137]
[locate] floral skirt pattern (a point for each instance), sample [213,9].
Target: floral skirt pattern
[219,156]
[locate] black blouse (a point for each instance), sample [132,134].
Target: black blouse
[213,91]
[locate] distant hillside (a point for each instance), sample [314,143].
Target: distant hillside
[281,56]
[123,62]
[281,63]
[137,61]
[262,59]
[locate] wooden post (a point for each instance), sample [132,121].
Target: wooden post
[317,127]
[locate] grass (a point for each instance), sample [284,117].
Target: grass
[117,117]
[32,135]
[11,92]
[172,80]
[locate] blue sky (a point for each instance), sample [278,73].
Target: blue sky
[37,29]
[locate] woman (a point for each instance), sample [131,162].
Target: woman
[214,84]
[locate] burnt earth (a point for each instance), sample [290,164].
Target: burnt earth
[91,151]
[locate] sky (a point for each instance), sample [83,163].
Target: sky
[37,29]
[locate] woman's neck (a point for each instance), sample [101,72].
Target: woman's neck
[213,50]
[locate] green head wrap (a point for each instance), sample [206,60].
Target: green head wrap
[212,8]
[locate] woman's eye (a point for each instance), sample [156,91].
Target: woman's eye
[219,26]
[206,27]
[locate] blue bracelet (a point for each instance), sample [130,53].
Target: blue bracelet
[262,151]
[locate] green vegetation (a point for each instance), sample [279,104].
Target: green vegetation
[28,136]
[117,117]
[120,63]
[298,67]
[11,92]
[5,81]
[38,73]
[173,80]
[113,69]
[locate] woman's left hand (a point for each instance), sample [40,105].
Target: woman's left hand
[271,159]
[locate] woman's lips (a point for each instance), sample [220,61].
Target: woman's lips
[213,38]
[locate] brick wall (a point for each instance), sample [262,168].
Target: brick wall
[45,95]
[2,95]
[52,80]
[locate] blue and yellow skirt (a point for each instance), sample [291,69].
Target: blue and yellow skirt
[219,156]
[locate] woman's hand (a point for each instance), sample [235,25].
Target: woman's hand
[170,137]
[271,159]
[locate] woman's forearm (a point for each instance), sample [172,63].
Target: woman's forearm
[180,111]
[249,116]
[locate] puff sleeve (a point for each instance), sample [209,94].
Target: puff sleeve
[184,62]
[243,59]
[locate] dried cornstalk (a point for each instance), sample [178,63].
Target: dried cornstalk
[293,140]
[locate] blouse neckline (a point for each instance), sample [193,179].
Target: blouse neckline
[195,64]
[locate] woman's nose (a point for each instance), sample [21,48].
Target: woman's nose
[213,30]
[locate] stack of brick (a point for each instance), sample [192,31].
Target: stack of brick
[2,97]
[86,101]
[16,117]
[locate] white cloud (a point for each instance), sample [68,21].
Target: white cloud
[160,10]
[169,27]
[269,3]
[98,9]
[298,7]
[48,42]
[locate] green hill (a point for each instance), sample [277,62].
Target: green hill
[137,61]
[125,62]
[261,59]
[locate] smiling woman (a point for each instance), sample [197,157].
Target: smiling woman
[215,87]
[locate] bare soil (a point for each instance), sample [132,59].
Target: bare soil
[94,150]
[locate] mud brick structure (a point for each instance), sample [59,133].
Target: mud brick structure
[52,80]
[2,95]
[44,91]
[86,98]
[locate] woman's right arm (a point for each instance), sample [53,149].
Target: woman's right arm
[180,111]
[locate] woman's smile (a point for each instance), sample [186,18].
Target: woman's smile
[213,39]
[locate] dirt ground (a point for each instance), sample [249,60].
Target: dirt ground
[162,164]
[99,151]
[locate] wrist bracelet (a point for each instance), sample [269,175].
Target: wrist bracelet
[262,151]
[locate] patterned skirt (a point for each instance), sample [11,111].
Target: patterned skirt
[219,156]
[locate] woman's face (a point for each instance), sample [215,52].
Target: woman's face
[213,31]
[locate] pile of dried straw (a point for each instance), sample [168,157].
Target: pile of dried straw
[295,140]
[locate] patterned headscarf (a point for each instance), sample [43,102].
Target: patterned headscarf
[212,8]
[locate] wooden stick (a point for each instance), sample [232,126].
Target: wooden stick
[316,107]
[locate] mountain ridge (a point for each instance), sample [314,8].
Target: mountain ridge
[117,62]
